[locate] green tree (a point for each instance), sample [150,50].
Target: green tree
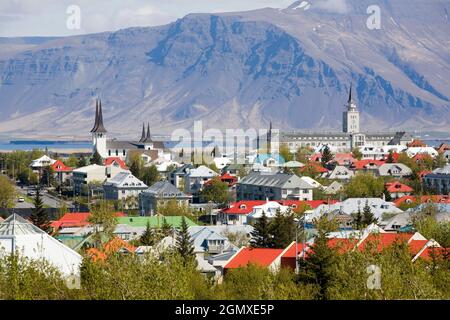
[285,152]
[96,158]
[47,177]
[148,237]
[166,228]
[364,185]
[368,217]
[390,158]
[261,235]
[439,161]
[282,229]
[39,216]
[215,191]
[317,268]
[358,220]
[72,161]
[173,208]
[150,175]
[387,194]
[7,193]
[357,154]
[104,220]
[185,246]
[327,156]
[82,162]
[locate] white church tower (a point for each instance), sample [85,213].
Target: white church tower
[99,132]
[351,116]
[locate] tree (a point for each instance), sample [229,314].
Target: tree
[166,229]
[72,161]
[96,158]
[184,245]
[368,217]
[439,161]
[261,236]
[215,191]
[39,216]
[327,156]
[47,177]
[147,238]
[358,219]
[82,162]
[364,185]
[390,158]
[7,193]
[282,229]
[387,194]
[357,154]
[317,267]
[150,175]
[104,219]
[285,152]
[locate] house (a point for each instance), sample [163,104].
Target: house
[18,235]
[122,187]
[273,186]
[314,183]
[116,162]
[413,151]
[340,173]
[398,190]
[62,172]
[351,206]
[42,162]
[159,194]
[270,208]
[333,188]
[397,170]
[261,257]
[438,181]
[208,240]
[196,178]
[424,199]
[93,173]
[176,177]
[75,223]
[366,165]
[416,143]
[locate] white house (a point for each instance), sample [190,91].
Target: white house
[270,208]
[18,235]
[123,186]
[42,162]
[412,151]
[397,170]
[93,173]
[196,178]
[340,173]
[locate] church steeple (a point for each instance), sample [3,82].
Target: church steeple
[143,133]
[148,132]
[99,127]
[96,116]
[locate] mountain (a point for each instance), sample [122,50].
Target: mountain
[293,66]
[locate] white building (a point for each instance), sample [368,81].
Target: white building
[42,162]
[18,235]
[412,151]
[122,186]
[196,178]
[270,208]
[93,173]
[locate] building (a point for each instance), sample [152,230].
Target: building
[93,173]
[351,136]
[262,257]
[119,148]
[124,186]
[398,190]
[195,178]
[397,170]
[340,173]
[62,172]
[18,235]
[273,186]
[438,181]
[160,194]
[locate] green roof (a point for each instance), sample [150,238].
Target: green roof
[155,221]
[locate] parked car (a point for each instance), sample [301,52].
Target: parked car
[20,199]
[31,193]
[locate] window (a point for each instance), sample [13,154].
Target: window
[117,152]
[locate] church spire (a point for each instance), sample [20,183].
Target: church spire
[143,133]
[148,138]
[350,100]
[96,116]
[99,127]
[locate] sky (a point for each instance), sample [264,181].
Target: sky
[61,18]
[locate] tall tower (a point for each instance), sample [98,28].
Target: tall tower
[269,139]
[350,122]
[99,132]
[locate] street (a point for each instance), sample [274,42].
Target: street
[48,200]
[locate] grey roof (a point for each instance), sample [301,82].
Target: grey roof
[16,225]
[118,144]
[445,170]
[269,179]
[165,189]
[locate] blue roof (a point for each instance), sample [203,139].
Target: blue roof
[263,157]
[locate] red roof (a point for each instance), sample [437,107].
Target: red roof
[421,156]
[262,257]
[227,178]
[115,161]
[316,166]
[423,199]
[290,251]
[396,187]
[76,219]
[246,206]
[384,240]
[343,244]
[59,166]
[436,251]
[416,143]
[363,164]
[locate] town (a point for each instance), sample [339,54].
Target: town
[303,217]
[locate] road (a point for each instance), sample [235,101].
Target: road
[47,199]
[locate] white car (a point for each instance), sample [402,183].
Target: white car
[21,199]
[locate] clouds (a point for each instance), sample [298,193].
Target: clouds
[48,17]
